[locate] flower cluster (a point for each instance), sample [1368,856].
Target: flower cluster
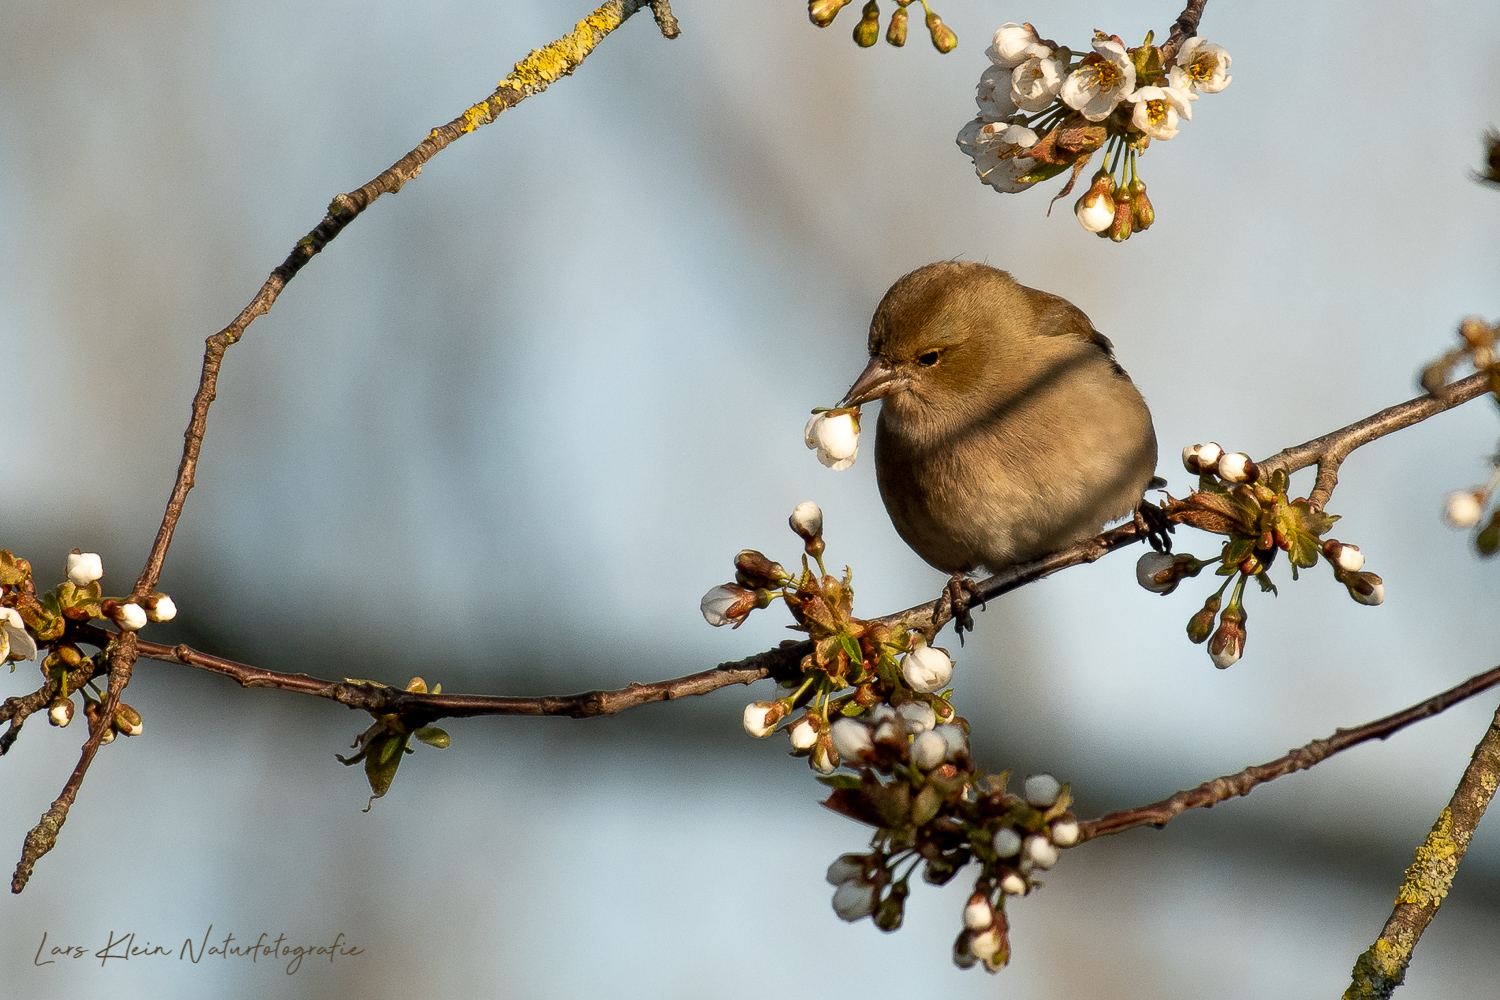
[867,31]
[29,623]
[872,697]
[1044,109]
[1234,498]
[1465,509]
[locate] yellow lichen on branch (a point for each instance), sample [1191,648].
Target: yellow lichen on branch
[1430,875]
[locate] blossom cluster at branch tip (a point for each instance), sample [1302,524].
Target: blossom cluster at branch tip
[83,568]
[1045,109]
[867,30]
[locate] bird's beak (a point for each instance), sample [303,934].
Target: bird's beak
[875,382]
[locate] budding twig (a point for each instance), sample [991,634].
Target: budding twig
[1211,793]
[1185,27]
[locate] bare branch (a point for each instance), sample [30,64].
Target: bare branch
[532,75]
[379,700]
[1329,451]
[1211,793]
[1382,968]
[1185,27]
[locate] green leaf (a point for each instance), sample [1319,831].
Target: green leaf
[929,800]
[851,647]
[382,760]
[433,737]
[848,781]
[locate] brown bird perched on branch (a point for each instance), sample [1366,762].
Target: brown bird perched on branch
[1007,429]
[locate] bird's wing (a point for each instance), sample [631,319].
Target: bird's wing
[1057,317]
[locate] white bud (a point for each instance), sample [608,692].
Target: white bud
[1464,508]
[1065,832]
[1013,884]
[927,669]
[986,944]
[978,914]
[1096,211]
[1349,558]
[822,759]
[1228,654]
[84,568]
[1236,467]
[1041,852]
[882,712]
[917,716]
[131,617]
[1377,590]
[854,899]
[890,732]
[727,604]
[1150,564]
[835,436]
[956,739]
[929,750]
[162,609]
[1041,790]
[761,717]
[1007,842]
[803,733]
[61,712]
[1201,458]
[851,738]
[845,868]
[807,520]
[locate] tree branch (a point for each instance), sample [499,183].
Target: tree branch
[1329,451]
[531,75]
[1382,968]
[1185,27]
[379,700]
[1210,793]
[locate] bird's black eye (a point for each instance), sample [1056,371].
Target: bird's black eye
[928,359]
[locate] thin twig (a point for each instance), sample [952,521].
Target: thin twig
[1185,27]
[1382,968]
[532,75]
[380,700]
[1329,451]
[1211,793]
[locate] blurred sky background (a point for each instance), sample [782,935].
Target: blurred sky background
[514,422]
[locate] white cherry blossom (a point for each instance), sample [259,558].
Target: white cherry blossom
[1096,87]
[1157,110]
[1035,83]
[1202,66]
[1013,44]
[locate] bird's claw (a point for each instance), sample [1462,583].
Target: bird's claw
[1152,520]
[960,594]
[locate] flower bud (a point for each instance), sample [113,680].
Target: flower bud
[1013,884]
[84,568]
[1228,643]
[128,720]
[896,32]
[60,712]
[926,669]
[1346,557]
[834,434]
[929,750]
[1464,508]
[956,738]
[943,38]
[1487,541]
[846,868]
[803,733]
[890,911]
[882,712]
[1041,852]
[807,521]
[1142,214]
[822,12]
[1065,832]
[1202,623]
[865,34]
[917,716]
[963,950]
[1120,227]
[1041,790]
[978,914]
[854,899]
[1096,209]
[160,608]
[1202,459]
[727,604]
[1236,467]
[851,739]
[761,717]
[985,944]
[1007,842]
[1366,588]
[131,617]
[754,569]
[822,758]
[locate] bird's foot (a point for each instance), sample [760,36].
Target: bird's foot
[959,595]
[1154,522]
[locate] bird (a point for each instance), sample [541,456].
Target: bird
[1007,429]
